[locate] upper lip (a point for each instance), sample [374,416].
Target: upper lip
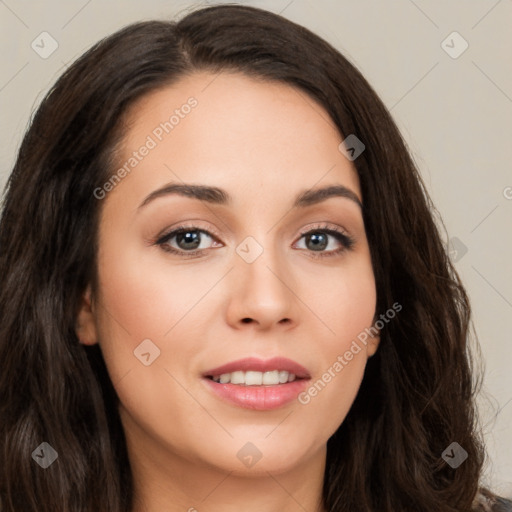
[260,365]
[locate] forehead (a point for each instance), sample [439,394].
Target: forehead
[234,131]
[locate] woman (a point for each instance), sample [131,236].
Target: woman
[311,350]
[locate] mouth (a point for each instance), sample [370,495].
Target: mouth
[252,371]
[257,384]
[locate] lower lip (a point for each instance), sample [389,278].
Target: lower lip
[259,398]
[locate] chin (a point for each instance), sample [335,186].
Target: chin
[258,457]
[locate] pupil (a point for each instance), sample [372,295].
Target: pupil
[189,239]
[318,245]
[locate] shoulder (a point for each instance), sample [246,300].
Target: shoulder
[486,501]
[502,505]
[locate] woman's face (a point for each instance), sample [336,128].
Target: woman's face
[242,281]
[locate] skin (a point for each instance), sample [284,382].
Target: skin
[263,143]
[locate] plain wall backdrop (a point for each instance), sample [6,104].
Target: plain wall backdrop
[444,70]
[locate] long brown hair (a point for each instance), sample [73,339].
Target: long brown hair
[417,395]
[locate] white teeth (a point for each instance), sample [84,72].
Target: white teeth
[271,378]
[252,378]
[283,377]
[236,377]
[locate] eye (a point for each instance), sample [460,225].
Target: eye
[317,240]
[190,241]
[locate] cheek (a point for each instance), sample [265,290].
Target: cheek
[345,301]
[328,399]
[347,310]
[142,302]
[146,297]
[139,302]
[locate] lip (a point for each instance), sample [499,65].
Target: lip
[259,398]
[260,365]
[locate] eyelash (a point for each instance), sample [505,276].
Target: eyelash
[346,241]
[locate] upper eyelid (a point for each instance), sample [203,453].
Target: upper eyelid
[191,227]
[327,227]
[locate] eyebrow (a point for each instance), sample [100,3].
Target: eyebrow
[215,195]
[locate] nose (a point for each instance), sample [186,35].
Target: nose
[262,293]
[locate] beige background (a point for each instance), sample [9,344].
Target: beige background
[455,113]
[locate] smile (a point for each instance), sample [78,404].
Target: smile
[257,384]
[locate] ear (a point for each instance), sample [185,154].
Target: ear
[372,345]
[85,326]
